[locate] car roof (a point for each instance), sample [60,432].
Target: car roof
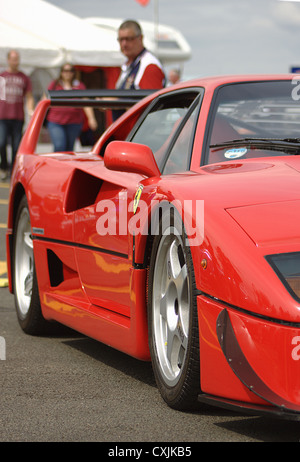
[225,79]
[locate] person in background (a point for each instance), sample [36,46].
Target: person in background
[142,70]
[65,123]
[174,76]
[17,90]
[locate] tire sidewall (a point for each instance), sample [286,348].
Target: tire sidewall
[33,316]
[171,394]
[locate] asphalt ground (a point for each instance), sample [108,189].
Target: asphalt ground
[69,388]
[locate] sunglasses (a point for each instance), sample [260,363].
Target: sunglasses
[127,39]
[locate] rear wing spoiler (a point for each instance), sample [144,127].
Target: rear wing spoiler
[104,99]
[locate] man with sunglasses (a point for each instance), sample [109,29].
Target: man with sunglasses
[142,70]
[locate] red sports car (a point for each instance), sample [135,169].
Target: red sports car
[176,239]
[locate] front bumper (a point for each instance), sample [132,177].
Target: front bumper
[248,362]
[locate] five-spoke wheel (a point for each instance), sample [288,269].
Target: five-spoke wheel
[24,278]
[173,327]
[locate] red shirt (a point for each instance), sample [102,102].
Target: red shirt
[16,85]
[66,115]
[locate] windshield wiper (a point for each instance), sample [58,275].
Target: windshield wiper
[279,144]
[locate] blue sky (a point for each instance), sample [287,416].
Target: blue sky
[226,36]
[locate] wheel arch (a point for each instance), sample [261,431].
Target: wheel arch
[144,241]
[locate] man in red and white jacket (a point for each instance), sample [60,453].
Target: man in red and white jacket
[142,69]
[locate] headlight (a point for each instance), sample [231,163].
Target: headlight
[287,267]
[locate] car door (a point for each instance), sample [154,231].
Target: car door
[101,229]
[104,249]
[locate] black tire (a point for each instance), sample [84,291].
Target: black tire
[172,314]
[26,292]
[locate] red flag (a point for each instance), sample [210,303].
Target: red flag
[143,2]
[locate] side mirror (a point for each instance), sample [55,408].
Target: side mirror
[124,156]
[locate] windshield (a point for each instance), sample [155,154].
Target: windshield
[256,119]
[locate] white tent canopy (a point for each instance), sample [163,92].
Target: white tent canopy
[34,50]
[46,36]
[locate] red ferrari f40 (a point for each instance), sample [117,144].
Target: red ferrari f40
[175,239]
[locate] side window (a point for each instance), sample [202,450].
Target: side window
[159,126]
[179,157]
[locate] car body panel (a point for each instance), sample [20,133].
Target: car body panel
[94,278]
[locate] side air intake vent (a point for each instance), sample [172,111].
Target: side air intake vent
[55,269]
[83,191]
